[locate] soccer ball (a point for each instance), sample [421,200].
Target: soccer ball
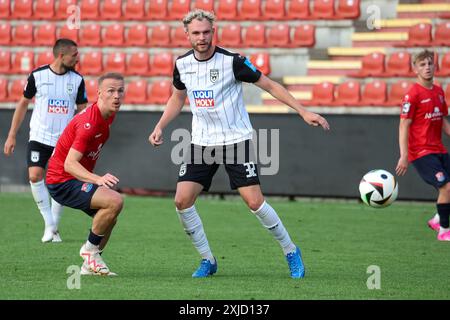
[378,188]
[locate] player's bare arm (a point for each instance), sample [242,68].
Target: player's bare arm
[173,109]
[73,166]
[19,115]
[280,93]
[403,133]
[446,127]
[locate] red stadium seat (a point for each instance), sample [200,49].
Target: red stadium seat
[275,9]
[279,36]
[90,10]
[323,9]
[138,64]
[397,92]
[348,94]
[23,62]
[261,61]
[92,63]
[162,64]
[304,36]
[444,66]
[447,93]
[23,34]
[399,64]
[91,86]
[442,34]
[114,35]
[255,36]
[231,35]
[372,65]
[91,35]
[16,89]
[137,35]
[5,34]
[179,9]
[45,35]
[160,35]
[250,10]
[5,9]
[179,38]
[157,10]
[419,35]
[159,92]
[348,9]
[23,9]
[374,94]
[322,94]
[136,92]
[298,9]
[67,33]
[44,58]
[207,5]
[227,10]
[5,62]
[3,90]
[62,8]
[135,10]
[111,9]
[44,10]
[116,62]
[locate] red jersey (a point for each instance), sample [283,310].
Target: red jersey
[86,133]
[426,108]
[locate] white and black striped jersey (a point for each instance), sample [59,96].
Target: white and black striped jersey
[55,103]
[214,89]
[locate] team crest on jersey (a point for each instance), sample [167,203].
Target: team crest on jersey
[203,98]
[34,156]
[58,106]
[70,88]
[182,170]
[214,75]
[406,106]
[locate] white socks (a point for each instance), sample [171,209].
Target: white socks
[193,226]
[57,210]
[270,220]
[42,199]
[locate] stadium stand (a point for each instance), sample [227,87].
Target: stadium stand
[5,62]
[5,34]
[44,9]
[250,10]
[137,35]
[3,90]
[134,10]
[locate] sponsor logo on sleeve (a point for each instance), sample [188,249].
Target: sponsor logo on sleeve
[405,107]
[58,106]
[250,65]
[203,98]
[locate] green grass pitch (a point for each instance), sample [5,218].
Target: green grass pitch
[155,259]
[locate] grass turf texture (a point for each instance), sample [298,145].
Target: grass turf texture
[155,259]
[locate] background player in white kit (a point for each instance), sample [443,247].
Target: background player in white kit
[212,79]
[57,88]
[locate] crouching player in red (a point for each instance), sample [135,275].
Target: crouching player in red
[70,180]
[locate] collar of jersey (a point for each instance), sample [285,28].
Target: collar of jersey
[58,74]
[215,50]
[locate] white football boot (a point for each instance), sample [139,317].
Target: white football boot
[93,261]
[48,234]
[56,237]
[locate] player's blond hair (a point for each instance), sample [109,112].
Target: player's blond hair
[198,14]
[422,55]
[110,75]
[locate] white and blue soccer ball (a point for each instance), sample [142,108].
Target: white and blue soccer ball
[378,188]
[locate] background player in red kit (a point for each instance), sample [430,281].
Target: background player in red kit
[420,138]
[70,179]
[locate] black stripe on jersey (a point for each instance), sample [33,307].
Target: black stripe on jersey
[186,54]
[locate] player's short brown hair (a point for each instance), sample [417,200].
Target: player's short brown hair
[422,55]
[198,14]
[110,75]
[61,46]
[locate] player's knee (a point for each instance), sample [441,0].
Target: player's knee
[254,204]
[183,202]
[116,203]
[35,177]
